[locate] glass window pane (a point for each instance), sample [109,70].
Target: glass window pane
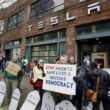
[43,53]
[35,48]
[35,54]
[62,34]
[43,7]
[63,48]
[15,20]
[52,53]
[81,30]
[103,26]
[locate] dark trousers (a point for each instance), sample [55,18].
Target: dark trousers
[40,93]
[77,99]
[105,104]
[41,96]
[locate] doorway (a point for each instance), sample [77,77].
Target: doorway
[100,58]
[8,54]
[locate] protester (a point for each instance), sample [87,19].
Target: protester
[25,64]
[71,60]
[3,63]
[58,97]
[11,80]
[36,79]
[21,73]
[31,65]
[82,84]
[103,86]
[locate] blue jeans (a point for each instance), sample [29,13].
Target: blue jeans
[105,104]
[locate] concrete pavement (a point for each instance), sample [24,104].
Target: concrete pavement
[26,89]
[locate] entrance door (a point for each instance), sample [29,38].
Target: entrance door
[100,58]
[8,54]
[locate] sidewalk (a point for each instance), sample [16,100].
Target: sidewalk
[26,89]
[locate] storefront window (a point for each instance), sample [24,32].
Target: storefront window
[16,51]
[85,29]
[93,27]
[103,26]
[48,36]
[46,52]
[45,37]
[17,42]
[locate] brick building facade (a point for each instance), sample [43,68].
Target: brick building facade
[79,28]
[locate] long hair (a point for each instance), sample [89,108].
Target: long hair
[93,65]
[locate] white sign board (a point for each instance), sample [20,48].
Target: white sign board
[14,100]
[47,102]
[65,105]
[31,101]
[59,78]
[2,91]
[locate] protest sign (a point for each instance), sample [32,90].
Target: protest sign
[31,101]
[65,105]
[13,68]
[2,91]
[14,100]
[59,78]
[47,102]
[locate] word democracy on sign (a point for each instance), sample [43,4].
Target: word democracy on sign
[59,83]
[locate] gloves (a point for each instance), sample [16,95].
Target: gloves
[75,79]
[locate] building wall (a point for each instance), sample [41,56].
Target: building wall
[74,7]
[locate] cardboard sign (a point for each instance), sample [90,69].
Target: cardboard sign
[65,105]
[2,91]
[13,68]
[31,101]
[47,102]
[59,78]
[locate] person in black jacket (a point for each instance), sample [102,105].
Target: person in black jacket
[79,99]
[103,87]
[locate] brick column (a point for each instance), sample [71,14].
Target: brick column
[23,47]
[25,21]
[70,32]
[2,49]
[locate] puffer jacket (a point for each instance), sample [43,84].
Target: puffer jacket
[104,81]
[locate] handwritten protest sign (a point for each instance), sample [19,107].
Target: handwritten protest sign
[65,105]
[2,91]
[13,68]
[47,102]
[14,100]
[59,78]
[31,101]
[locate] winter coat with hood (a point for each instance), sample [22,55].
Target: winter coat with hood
[104,81]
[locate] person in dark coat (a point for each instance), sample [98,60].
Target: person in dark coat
[103,87]
[82,84]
